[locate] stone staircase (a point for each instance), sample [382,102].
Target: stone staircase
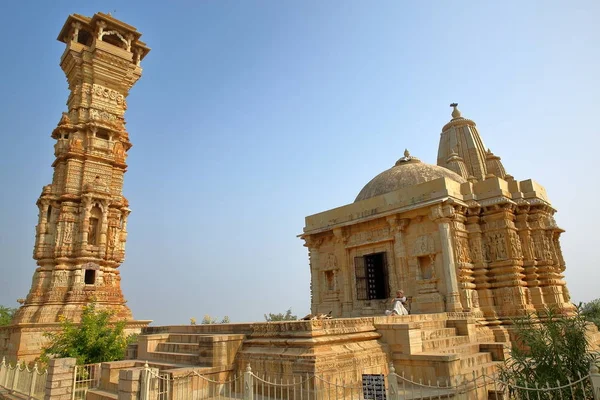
[435,348]
[181,350]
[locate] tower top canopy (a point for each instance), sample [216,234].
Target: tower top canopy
[86,30]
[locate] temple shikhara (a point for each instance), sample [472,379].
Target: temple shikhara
[471,246]
[82,214]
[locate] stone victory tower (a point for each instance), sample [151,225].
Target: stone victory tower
[82,226]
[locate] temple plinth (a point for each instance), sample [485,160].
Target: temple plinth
[82,222]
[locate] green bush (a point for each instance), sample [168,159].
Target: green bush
[6,315]
[554,351]
[591,311]
[95,339]
[288,316]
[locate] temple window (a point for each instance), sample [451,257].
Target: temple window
[371,277]
[94,226]
[114,39]
[90,277]
[48,214]
[102,134]
[425,267]
[84,38]
[330,280]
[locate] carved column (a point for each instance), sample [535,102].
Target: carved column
[41,228]
[86,208]
[460,238]
[400,273]
[561,263]
[313,256]
[505,262]
[529,260]
[442,216]
[346,297]
[545,234]
[483,293]
[103,230]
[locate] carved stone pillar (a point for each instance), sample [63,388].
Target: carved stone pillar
[86,207]
[346,297]
[103,230]
[313,256]
[483,293]
[529,260]
[545,235]
[122,239]
[468,296]
[441,215]
[41,229]
[505,262]
[400,274]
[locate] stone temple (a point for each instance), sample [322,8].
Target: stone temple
[82,221]
[471,246]
[459,236]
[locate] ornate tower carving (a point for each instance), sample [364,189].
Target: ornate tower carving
[461,139]
[82,226]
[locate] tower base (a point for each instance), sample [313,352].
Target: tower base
[25,342]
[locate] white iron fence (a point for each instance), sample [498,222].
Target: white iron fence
[20,379]
[85,377]
[250,386]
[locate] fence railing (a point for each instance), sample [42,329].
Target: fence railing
[21,379]
[85,377]
[157,385]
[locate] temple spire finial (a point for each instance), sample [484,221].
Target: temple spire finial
[406,153]
[456,111]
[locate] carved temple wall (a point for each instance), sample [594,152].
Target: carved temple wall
[496,261]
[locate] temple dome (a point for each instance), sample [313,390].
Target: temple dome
[408,171]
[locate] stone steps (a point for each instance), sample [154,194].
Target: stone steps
[99,394]
[489,368]
[185,337]
[428,334]
[445,343]
[176,347]
[468,362]
[175,358]
[466,348]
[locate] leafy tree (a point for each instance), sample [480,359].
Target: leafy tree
[210,320]
[95,339]
[554,351]
[288,316]
[591,311]
[6,315]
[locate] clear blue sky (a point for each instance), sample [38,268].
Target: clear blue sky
[251,115]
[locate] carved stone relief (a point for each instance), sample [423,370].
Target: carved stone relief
[423,245]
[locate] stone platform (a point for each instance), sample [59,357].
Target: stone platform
[427,347]
[24,342]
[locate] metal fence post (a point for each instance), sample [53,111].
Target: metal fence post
[248,384]
[393,383]
[34,374]
[595,379]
